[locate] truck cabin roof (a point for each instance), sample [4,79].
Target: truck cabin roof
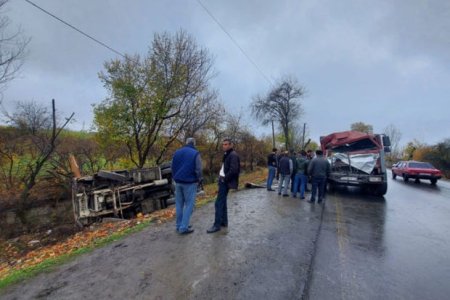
[349,141]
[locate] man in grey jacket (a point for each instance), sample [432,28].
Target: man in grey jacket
[286,168]
[319,170]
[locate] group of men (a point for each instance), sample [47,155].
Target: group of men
[297,169]
[187,174]
[287,167]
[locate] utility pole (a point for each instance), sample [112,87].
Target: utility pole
[303,137]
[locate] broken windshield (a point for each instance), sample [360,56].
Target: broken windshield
[363,162]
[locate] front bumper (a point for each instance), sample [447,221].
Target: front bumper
[356,179]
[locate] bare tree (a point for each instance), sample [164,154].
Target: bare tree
[281,104]
[395,136]
[234,127]
[29,117]
[36,143]
[194,115]
[12,48]
[204,109]
[210,138]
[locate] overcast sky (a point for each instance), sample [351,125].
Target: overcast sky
[380,62]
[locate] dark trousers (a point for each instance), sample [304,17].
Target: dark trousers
[221,217]
[318,183]
[292,182]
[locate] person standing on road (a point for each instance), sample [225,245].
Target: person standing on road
[319,169]
[228,179]
[293,157]
[278,157]
[309,157]
[301,179]
[187,174]
[272,166]
[286,167]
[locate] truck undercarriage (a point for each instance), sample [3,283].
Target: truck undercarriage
[121,193]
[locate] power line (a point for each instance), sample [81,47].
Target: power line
[235,42]
[76,29]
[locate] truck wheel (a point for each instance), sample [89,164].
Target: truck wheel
[393,175]
[331,187]
[433,181]
[112,176]
[405,177]
[380,190]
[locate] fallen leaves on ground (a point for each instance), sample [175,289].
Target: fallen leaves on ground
[13,258]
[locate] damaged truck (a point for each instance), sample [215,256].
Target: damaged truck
[357,159]
[120,193]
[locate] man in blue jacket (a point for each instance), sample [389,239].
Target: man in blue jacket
[228,179]
[187,173]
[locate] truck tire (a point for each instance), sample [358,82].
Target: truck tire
[405,178]
[433,181]
[112,176]
[331,187]
[380,190]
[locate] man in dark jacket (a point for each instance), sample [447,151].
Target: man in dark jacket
[300,175]
[272,166]
[187,173]
[319,169]
[228,179]
[286,168]
[293,157]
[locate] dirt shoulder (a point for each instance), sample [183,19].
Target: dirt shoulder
[266,252]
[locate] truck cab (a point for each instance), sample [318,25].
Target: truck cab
[357,159]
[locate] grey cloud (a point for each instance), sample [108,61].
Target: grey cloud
[379,62]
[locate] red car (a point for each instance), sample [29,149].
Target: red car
[416,170]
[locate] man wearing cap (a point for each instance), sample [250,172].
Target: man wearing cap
[187,174]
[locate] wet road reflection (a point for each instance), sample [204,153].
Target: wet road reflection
[396,247]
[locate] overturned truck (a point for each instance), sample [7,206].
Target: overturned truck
[357,159]
[120,193]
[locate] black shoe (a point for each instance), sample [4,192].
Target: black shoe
[271,190]
[279,194]
[223,225]
[187,231]
[213,229]
[319,201]
[293,196]
[311,201]
[303,198]
[285,195]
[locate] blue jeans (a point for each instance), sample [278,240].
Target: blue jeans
[284,183]
[300,181]
[184,202]
[318,183]
[271,176]
[221,216]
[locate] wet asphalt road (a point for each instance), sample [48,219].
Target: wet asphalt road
[265,253]
[396,247]
[356,247]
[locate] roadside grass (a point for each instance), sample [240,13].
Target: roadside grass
[51,263]
[17,275]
